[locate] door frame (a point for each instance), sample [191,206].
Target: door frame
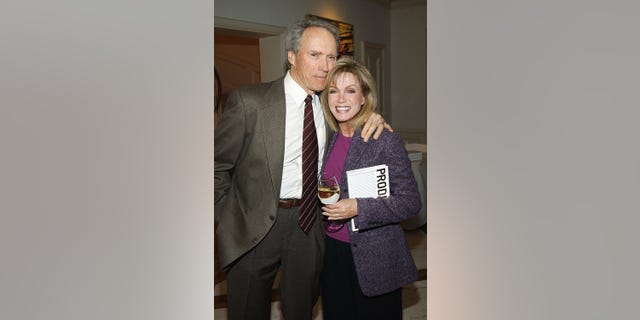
[372,55]
[271,38]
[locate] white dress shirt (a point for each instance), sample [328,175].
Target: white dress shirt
[291,186]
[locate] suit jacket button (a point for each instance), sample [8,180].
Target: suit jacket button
[272,218]
[354,245]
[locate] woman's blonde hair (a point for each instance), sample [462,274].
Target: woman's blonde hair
[367,86]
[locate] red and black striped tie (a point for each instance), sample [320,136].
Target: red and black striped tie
[308,207]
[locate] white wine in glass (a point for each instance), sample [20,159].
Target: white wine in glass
[328,190]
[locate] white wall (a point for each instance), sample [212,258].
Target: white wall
[534,160]
[370,23]
[408,65]
[106,142]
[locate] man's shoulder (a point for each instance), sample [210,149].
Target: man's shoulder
[261,88]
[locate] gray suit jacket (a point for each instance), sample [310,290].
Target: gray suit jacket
[381,255]
[248,159]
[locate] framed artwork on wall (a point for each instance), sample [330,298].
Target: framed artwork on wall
[345,30]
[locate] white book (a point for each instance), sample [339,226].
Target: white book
[369,182]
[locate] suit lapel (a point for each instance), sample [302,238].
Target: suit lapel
[356,151]
[273,130]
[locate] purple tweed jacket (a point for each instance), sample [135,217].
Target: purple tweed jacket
[382,258]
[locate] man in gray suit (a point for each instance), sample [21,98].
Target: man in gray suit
[258,181]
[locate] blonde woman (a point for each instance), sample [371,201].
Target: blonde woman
[364,270]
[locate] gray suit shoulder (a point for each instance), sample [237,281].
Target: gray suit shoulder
[259,89]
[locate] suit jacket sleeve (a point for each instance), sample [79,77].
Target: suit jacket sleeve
[404,200]
[228,138]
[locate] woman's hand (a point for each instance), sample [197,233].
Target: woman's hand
[341,210]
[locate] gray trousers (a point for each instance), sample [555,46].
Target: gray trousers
[300,256]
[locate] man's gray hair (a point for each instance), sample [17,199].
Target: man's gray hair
[294,33]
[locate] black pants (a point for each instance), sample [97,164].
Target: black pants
[342,298]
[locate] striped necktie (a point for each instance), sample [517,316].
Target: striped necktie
[307,210]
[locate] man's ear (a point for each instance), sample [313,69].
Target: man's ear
[291,57]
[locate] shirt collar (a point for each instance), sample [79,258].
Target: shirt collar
[294,90]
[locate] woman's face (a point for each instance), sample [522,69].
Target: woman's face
[345,97]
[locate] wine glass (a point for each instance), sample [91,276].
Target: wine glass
[329,192]
[328,189]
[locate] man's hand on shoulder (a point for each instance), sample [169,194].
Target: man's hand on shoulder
[374,126]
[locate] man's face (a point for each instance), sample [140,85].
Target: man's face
[317,55]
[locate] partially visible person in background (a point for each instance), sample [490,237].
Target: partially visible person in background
[364,270]
[217,95]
